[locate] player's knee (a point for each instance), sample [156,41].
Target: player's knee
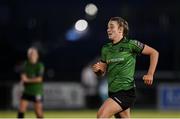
[22,109]
[102,114]
[99,114]
[125,114]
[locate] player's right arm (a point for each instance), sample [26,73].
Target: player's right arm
[25,79]
[99,68]
[36,79]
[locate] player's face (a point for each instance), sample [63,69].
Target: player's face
[33,56]
[114,31]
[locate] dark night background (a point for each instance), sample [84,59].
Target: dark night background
[44,23]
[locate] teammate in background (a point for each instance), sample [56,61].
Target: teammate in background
[95,87]
[119,58]
[32,78]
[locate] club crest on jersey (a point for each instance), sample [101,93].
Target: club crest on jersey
[123,49]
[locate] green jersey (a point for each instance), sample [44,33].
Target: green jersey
[32,71]
[121,59]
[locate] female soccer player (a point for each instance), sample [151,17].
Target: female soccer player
[31,78]
[119,58]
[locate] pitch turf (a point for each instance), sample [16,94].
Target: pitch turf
[92,114]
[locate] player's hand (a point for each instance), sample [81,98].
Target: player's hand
[148,79]
[24,78]
[99,66]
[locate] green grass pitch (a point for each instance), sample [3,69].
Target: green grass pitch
[92,114]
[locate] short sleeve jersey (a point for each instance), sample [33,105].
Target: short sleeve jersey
[121,59]
[32,71]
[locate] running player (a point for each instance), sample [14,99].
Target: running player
[32,78]
[119,58]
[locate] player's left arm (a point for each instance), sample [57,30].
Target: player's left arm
[154,55]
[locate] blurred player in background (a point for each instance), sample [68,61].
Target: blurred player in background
[119,58]
[95,87]
[32,78]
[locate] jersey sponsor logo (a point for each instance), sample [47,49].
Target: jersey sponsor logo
[115,60]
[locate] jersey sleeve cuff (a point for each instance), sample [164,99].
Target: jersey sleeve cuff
[142,48]
[103,61]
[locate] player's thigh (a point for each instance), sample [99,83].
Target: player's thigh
[23,105]
[109,108]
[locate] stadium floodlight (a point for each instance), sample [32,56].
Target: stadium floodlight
[81,25]
[91,9]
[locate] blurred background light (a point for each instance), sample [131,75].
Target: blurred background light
[78,31]
[81,25]
[72,35]
[91,9]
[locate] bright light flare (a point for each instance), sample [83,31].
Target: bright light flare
[81,25]
[91,9]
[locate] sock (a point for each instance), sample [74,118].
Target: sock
[39,117]
[20,115]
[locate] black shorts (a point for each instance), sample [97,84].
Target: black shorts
[125,98]
[33,98]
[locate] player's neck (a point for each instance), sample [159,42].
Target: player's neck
[118,39]
[33,62]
